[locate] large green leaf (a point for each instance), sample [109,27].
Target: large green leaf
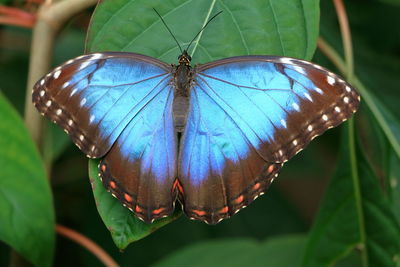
[281,251]
[26,209]
[386,120]
[383,157]
[275,27]
[354,215]
[123,225]
[287,28]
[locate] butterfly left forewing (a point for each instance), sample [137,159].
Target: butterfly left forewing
[280,103]
[93,97]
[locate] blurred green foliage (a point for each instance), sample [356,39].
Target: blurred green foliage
[291,204]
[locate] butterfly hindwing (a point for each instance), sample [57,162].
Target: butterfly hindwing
[248,115]
[140,168]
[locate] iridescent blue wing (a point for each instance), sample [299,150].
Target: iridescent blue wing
[249,115]
[119,105]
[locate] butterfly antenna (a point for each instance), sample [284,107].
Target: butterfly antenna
[166,26]
[213,17]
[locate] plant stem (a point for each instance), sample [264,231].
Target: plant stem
[50,18]
[346,37]
[88,244]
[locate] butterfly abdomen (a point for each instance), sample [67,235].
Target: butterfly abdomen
[180,111]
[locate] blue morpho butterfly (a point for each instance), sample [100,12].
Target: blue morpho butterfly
[214,135]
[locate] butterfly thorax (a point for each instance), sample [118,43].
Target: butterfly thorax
[182,80]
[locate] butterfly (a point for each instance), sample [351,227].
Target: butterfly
[213,136]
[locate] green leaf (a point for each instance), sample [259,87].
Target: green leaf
[354,215]
[253,27]
[274,27]
[26,209]
[393,182]
[123,225]
[382,156]
[281,251]
[386,120]
[390,2]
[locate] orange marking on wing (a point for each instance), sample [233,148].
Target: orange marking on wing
[128,197]
[112,184]
[158,211]
[199,212]
[103,168]
[239,199]
[178,185]
[223,210]
[256,186]
[138,209]
[270,168]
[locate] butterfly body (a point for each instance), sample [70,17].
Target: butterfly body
[183,79]
[215,135]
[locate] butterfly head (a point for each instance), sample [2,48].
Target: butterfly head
[184,58]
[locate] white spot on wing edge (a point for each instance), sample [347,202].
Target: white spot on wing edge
[346,99]
[91,119]
[65,84]
[84,65]
[330,80]
[59,111]
[310,128]
[96,56]
[48,103]
[286,60]
[81,137]
[317,67]
[337,109]
[42,82]
[41,93]
[324,117]
[70,122]
[348,89]
[57,74]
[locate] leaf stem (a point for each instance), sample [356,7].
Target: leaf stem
[86,243]
[346,37]
[50,18]
[357,192]
[196,42]
[349,73]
